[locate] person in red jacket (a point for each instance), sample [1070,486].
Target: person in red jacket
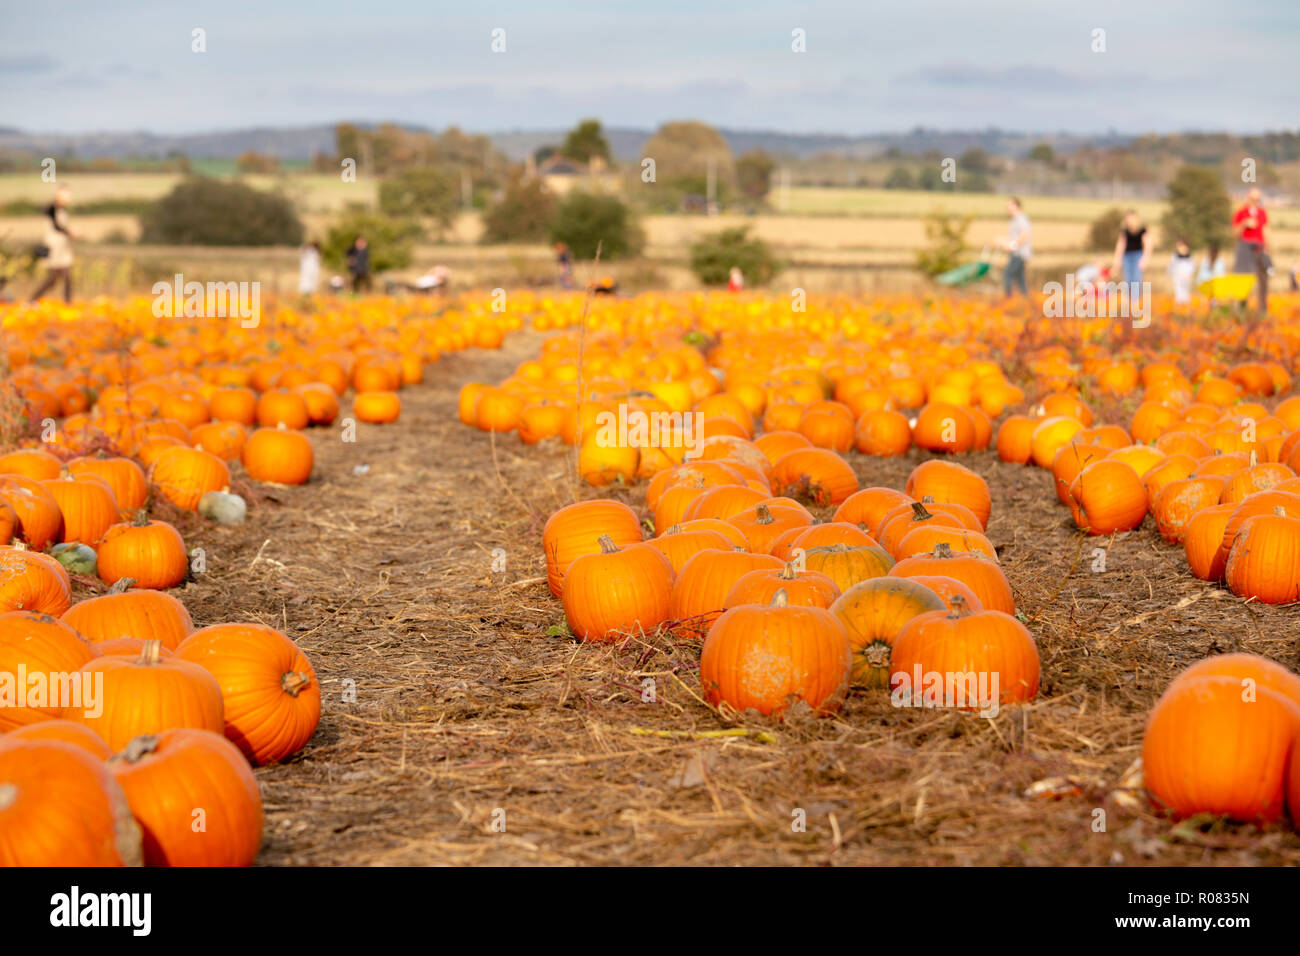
[1252,250]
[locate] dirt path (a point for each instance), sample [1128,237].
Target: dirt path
[456,731]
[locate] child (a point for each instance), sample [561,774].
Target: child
[1182,270]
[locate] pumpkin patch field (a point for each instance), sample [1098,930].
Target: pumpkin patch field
[666,579]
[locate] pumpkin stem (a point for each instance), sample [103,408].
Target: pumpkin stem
[675,529]
[764,515]
[959,606]
[780,599]
[294,683]
[8,794]
[121,585]
[788,572]
[927,500]
[919,513]
[607,545]
[1279,511]
[151,654]
[139,748]
[141,518]
[942,550]
[1254,459]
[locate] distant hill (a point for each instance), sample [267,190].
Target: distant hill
[302,142]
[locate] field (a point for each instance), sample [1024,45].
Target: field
[461,722]
[851,240]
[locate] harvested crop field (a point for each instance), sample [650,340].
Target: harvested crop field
[456,731]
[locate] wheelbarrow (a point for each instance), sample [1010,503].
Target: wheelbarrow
[1234,285]
[967,273]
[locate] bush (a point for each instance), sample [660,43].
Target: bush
[522,214]
[584,220]
[1105,230]
[212,212]
[899,178]
[1199,208]
[714,255]
[428,192]
[947,235]
[389,238]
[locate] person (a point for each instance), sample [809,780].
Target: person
[1182,270]
[1212,266]
[435,280]
[1019,247]
[1132,250]
[564,264]
[359,264]
[308,268]
[736,281]
[337,285]
[58,246]
[1252,249]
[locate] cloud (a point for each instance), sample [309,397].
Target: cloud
[19,65]
[1021,78]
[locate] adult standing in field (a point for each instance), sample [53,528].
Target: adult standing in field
[1019,246]
[1132,250]
[1252,250]
[564,265]
[359,264]
[309,268]
[58,246]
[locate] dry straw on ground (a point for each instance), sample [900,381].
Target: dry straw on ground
[467,715]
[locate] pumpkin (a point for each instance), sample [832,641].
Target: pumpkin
[868,506]
[128,647]
[977,572]
[226,440]
[1069,461]
[1013,441]
[1050,436]
[148,695]
[1173,468]
[277,455]
[722,501]
[873,612]
[1215,744]
[847,565]
[183,475]
[1260,503]
[776,444]
[33,582]
[700,591]
[602,462]
[763,524]
[322,403]
[1179,500]
[282,407]
[948,588]
[944,427]
[617,591]
[1264,561]
[148,615]
[540,421]
[814,474]
[733,535]
[679,545]
[766,658]
[44,650]
[39,517]
[802,588]
[152,553]
[233,404]
[88,507]
[76,558]
[923,540]
[883,432]
[1203,541]
[223,507]
[980,659]
[576,529]
[64,731]
[797,539]
[272,697]
[60,806]
[1260,670]
[377,407]
[35,463]
[919,514]
[1107,496]
[951,483]
[172,777]
[124,477]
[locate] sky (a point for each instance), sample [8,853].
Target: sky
[868,65]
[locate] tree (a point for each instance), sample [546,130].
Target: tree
[975,160]
[429,193]
[1105,230]
[584,220]
[713,256]
[586,140]
[390,239]
[213,212]
[1042,153]
[1199,208]
[754,174]
[523,213]
[684,152]
[899,178]
[947,236]
[251,161]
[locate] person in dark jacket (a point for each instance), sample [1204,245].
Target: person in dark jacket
[359,264]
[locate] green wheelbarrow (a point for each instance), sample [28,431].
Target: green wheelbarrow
[968,273]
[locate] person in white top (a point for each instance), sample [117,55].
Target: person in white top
[308,268]
[58,246]
[1019,247]
[1182,270]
